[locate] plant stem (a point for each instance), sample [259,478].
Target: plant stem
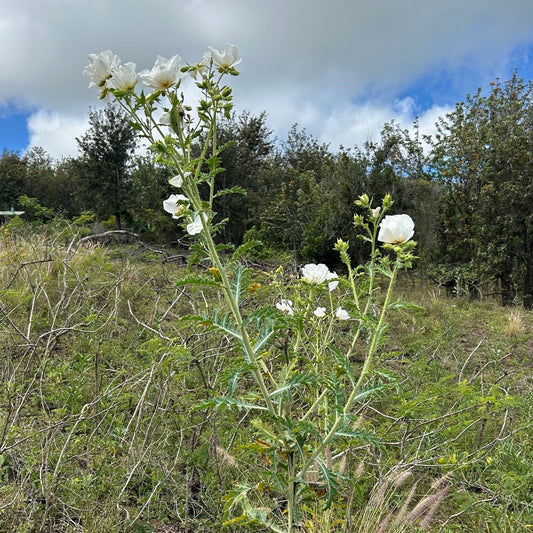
[339,419]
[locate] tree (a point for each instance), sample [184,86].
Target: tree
[242,162]
[39,171]
[12,176]
[483,155]
[149,187]
[397,165]
[106,149]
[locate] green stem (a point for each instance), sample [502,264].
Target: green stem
[234,306]
[291,495]
[339,419]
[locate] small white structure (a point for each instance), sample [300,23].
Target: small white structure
[4,215]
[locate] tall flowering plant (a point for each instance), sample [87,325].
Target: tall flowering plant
[306,359]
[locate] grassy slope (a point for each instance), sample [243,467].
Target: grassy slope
[99,374]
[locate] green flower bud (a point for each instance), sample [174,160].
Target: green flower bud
[341,246]
[363,201]
[358,220]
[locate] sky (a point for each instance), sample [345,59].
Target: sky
[339,69]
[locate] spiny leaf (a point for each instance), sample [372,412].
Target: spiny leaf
[235,376]
[360,435]
[404,305]
[218,321]
[295,381]
[344,364]
[329,480]
[367,392]
[236,282]
[244,248]
[264,430]
[232,190]
[266,332]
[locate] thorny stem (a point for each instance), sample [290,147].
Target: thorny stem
[204,210]
[193,194]
[339,419]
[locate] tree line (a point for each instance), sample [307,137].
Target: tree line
[469,188]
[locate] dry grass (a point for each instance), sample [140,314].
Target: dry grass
[515,326]
[395,504]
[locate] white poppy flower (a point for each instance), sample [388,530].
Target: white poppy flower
[100,68]
[332,285]
[375,212]
[176,181]
[342,314]
[285,306]
[124,77]
[316,274]
[195,226]
[227,58]
[395,229]
[164,73]
[320,312]
[176,205]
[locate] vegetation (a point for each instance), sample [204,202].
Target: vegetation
[470,194]
[100,373]
[143,395]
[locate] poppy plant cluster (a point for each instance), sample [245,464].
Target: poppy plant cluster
[318,403]
[109,75]
[106,70]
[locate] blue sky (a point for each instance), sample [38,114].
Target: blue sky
[14,135]
[338,68]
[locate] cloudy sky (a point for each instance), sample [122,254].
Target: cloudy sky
[338,68]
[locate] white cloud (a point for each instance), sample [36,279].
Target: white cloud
[56,132]
[345,124]
[304,61]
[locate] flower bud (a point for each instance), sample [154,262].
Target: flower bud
[363,200]
[358,220]
[341,246]
[226,91]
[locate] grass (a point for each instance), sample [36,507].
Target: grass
[100,373]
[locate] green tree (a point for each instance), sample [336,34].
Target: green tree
[12,176]
[242,162]
[106,151]
[39,172]
[67,188]
[397,165]
[483,155]
[149,187]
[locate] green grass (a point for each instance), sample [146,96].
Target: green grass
[99,374]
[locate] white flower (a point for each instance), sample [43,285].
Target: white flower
[320,312]
[176,181]
[342,314]
[164,73]
[195,226]
[316,274]
[176,205]
[375,212]
[332,285]
[396,229]
[100,68]
[124,77]
[228,58]
[285,306]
